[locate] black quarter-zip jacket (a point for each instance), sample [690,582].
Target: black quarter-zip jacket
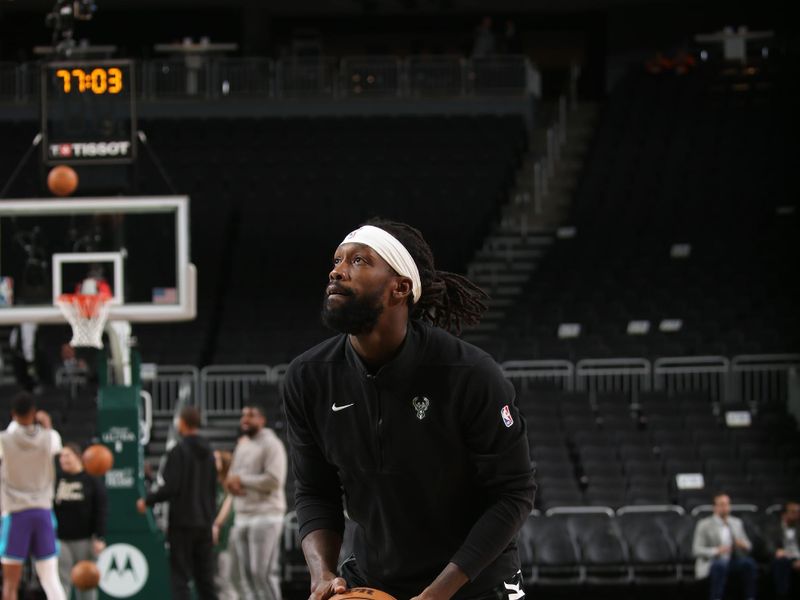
[430,452]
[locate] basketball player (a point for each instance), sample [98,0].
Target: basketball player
[80,505]
[27,449]
[418,428]
[189,485]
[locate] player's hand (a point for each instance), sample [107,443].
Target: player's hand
[796,565]
[328,585]
[141,506]
[98,546]
[741,544]
[44,419]
[215,534]
[723,550]
[234,485]
[425,595]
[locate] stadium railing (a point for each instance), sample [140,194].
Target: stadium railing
[371,76]
[560,374]
[763,377]
[629,375]
[298,77]
[9,84]
[437,76]
[71,379]
[225,388]
[222,78]
[749,379]
[754,379]
[171,386]
[691,374]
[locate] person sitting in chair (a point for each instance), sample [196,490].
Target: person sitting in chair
[721,549]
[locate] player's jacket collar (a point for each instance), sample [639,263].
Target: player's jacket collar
[402,365]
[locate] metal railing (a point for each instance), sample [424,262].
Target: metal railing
[9,84]
[558,373]
[201,77]
[693,374]
[243,78]
[72,379]
[19,82]
[753,379]
[227,387]
[627,375]
[760,378]
[431,76]
[305,77]
[172,386]
[707,509]
[498,75]
[371,76]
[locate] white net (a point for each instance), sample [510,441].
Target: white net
[87,314]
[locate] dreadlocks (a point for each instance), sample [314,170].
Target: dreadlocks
[448,300]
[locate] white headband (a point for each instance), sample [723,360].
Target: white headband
[391,250]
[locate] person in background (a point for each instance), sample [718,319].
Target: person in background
[721,548]
[27,471]
[70,362]
[25,355]
[510,41]
[484,44]
[80,505]
[783,541]
[225,552]
[190,487]
[257,479]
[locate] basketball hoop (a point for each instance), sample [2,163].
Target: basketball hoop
[87,314]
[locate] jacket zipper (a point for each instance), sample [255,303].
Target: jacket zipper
[378,423]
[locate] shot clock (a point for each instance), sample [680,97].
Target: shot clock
[88,112]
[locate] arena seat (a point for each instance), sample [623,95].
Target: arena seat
[652,558]
[605,558]
[556,555]
[643,192]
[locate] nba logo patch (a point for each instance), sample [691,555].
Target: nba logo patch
[505,412]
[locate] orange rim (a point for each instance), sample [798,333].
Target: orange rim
[87,305]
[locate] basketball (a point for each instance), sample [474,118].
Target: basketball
[85,575]
[62,180]
[363,593]
[97,459]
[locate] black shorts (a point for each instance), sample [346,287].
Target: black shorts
[511,589]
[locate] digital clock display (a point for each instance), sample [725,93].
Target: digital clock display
[88,112]
[97,81]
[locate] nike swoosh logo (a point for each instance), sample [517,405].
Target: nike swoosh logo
[338,408]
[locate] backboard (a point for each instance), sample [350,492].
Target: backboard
[138,246]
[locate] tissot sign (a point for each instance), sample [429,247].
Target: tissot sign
[111,149]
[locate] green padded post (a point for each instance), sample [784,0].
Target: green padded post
[134,565]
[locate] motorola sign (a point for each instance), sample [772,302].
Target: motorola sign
[123,570]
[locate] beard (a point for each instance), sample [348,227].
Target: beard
[354,315]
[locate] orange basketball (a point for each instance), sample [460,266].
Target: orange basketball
[97,459]
[62,180]
[363,593]
[85,575]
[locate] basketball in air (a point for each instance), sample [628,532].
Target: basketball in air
[62,180]
[97,459]
[85,575]
[363,593]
